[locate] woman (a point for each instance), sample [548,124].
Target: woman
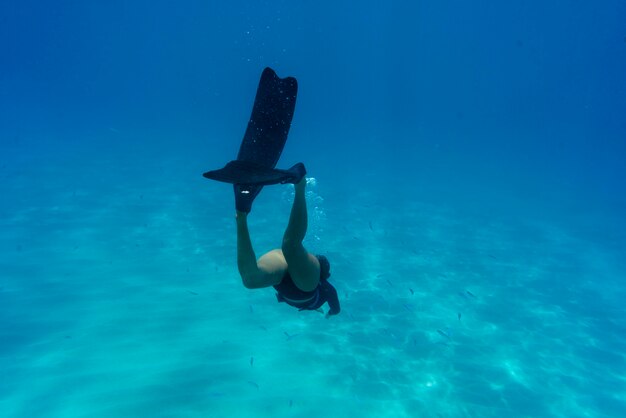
[299,277]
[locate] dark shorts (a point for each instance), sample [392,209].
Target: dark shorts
[288,292]
[313,302]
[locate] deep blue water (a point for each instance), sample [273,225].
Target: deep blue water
[466,162]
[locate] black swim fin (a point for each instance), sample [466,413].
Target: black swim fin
[263,141]
[247,173]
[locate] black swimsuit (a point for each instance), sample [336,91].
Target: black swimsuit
[289,293]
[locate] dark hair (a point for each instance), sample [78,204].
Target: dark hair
[324,267]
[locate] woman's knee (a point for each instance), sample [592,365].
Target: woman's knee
[248,284]
[251,281]
[291,247]
[260,279]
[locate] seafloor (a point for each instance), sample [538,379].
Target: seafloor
[120,297]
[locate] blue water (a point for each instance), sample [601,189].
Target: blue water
[467,172]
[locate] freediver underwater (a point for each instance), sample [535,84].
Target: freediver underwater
[299,277]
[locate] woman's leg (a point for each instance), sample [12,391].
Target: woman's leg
[303,267]
[271,267]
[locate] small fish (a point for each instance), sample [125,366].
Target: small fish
[407,307]
[389,281]
[411,290]
[444,333]
[251,310]
[251,361]
[192,292]
[371,227]
[458,315]
[289,337]
[492,256]
[290,403]
[470,293]
[263,328]
[251,383]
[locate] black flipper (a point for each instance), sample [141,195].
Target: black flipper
[263,141]
[270,121]
[246,173]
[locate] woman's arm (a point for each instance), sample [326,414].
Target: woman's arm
[330,294]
